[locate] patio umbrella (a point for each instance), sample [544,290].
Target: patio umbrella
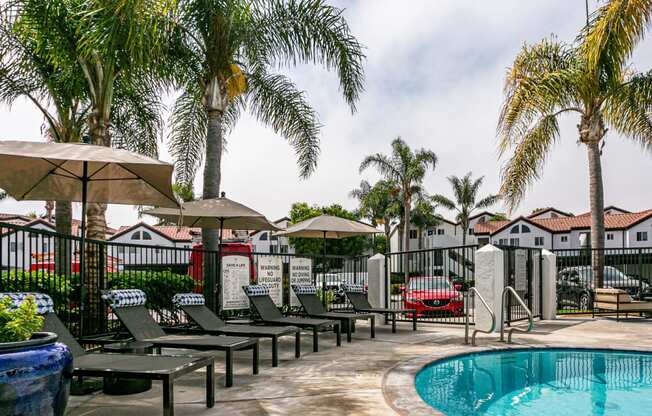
[83,173]
[216,213]
[328,226]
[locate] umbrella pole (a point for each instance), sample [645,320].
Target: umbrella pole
[82,249]
[323,282]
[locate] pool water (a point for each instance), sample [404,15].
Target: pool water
[557,382]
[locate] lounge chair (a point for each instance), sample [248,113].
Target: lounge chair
[129,306]
[151,367]
[193,305]
[264,305]
[619,301]
[313,307]
[358,299]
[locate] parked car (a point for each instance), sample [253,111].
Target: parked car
[433,296]
[575,286]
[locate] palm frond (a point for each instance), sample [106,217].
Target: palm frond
[383,164]
[310,31]
[276,102]
[443,201]
[487,202]
[187,138]
[628,109]
[524,166]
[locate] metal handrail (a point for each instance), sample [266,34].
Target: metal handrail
[466,324]
[506,291]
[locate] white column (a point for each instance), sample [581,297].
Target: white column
[549,285]
[376,281]
[489,281]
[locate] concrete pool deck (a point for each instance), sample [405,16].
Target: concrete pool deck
[365,377]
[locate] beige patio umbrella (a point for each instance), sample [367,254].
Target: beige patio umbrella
[83,173]
[217,213]
[328,226]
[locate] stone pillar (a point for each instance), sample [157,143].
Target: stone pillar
[549,285]
[376,281]
[489,281]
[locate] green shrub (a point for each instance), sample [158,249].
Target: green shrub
[62,289]
[329,294]
[18,324]
[159,286]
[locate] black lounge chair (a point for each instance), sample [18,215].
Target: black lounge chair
[264,305]
[358,299]
[151,367]
[313,307]
[193,305]
[129,306]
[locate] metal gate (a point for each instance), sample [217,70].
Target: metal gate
[523,273]
[431,281]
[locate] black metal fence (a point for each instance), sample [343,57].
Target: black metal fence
[629,269]
[523,271]
[42,261]
[432,281]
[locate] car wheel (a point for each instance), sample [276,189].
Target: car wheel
[584,302]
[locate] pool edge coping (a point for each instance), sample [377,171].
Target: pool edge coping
[399,390]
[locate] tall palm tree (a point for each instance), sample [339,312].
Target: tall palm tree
[424,216]
[407,169]
[378,203]
[235,46]
[591,79]
[465,200]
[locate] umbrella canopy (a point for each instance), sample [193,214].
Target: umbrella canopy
[58,171]
[328,226]
[214,213]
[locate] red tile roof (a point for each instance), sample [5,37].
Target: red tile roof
[565,224]
[172,232]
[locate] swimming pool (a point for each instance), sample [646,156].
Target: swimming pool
[558,382]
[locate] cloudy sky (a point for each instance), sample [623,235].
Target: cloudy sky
[434,76]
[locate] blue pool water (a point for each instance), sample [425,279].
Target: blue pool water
[557,382]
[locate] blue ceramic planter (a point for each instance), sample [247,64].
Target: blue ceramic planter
[34,376]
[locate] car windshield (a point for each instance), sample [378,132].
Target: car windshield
[424,283]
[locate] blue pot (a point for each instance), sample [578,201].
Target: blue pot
[34,376]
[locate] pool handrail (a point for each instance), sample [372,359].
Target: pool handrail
[466,323]
[506,291]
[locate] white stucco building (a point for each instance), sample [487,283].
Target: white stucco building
[266,242]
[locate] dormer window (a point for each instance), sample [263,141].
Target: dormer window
[146,235]
[515,230]
[525,229]
[136,235]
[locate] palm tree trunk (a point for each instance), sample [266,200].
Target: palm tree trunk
[596,197]
[212,178]
[388,248]
[465,225]
[63,246]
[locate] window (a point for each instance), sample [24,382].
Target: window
[413,234]
[470,231]
[525,229]
[641,236]
[514,242]
[284,248]
[146,235]
[263,237]
[610,236]
[564,239]
[440,231]
[481,219]
[502,242]
[514,230]
[431,232]
[136,235]
[538,241]
[272,249]
[483,241]
[585,239]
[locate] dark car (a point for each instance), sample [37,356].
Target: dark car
[433,296]
[575,286]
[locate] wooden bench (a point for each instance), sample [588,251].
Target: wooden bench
[619,301]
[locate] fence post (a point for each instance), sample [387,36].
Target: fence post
[489,281]
[376,281]
[549,282]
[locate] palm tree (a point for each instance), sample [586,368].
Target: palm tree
[465,191]
[423,216]
[407,169]
[379,204]
[591,79]
[234,46]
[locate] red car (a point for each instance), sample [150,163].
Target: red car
[433,296]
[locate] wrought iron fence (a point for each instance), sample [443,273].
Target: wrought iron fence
[37,260]
[629,269]
[523,271]
[431,281]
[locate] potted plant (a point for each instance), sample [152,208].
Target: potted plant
[34,368]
